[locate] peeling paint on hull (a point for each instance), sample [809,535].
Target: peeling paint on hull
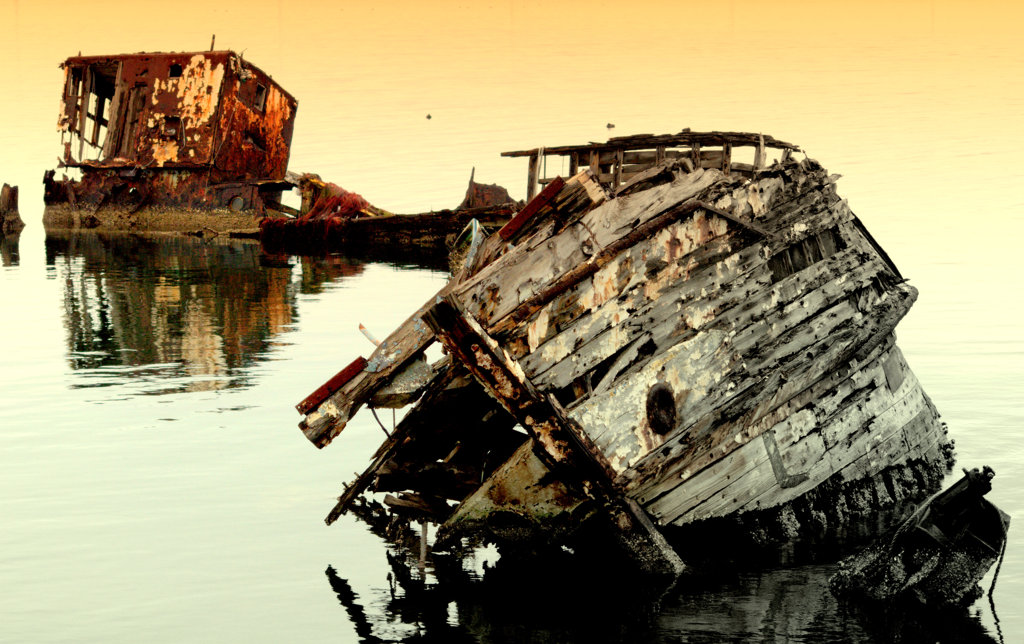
[715,343]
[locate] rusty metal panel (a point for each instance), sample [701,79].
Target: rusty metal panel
[191,129]
[196,109]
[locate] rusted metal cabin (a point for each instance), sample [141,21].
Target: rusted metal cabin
[192,131]
[694,352]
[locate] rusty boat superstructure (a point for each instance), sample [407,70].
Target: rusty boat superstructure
[673,336]
[169,141]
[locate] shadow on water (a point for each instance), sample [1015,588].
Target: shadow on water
[184,314]
[562,599]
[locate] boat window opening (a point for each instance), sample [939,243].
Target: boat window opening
[661,409]
[174,71]
[74,82]
[260,100]
[171,128]
[806,252]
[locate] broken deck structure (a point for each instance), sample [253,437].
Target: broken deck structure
[666,339]
[169,141]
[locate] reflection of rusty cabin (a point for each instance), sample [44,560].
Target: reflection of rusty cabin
[183,130]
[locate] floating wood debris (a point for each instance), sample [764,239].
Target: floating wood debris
[672,337]
[169,141]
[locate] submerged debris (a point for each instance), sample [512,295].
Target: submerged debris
[333,219]
[938,555]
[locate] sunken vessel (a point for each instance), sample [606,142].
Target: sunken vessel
[692,331]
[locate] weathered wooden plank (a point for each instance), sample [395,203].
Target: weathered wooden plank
[883,441]
[761,489]
[607,322]
[509,230]
[533,173]
[692,304]
[684,138]
[334,384]
[496,291]
[328,419]
[824,396]
[562,445]
[797,421]
[832,347]
[552,354]
[759,155]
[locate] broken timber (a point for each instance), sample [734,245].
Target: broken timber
[652,346]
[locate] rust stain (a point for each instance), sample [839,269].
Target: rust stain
[195,129]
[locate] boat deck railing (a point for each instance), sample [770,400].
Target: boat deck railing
[620,159]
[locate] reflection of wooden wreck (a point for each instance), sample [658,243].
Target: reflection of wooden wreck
[10,219]
[169,141]
[666,339]
[938,555]
[10,226]
[334,219]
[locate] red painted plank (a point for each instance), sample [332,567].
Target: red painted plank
[509,230]
[314,399]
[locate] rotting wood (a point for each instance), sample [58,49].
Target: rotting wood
[406,343]
[562,445]
[314,399]
[705,344]
[508,231]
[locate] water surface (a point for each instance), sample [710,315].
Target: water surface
[153,483]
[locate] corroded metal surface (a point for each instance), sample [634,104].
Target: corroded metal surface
[193,130]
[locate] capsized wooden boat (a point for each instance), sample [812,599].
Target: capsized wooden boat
[666,338]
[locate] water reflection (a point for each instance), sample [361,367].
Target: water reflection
[562,600]
[180,314]
[9,255]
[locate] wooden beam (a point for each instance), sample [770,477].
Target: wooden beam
[509,230]
[648,141]
[531,176]
[759,155]
[588,268]
[325,390]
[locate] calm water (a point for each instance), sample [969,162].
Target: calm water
[153,484]
[156,487]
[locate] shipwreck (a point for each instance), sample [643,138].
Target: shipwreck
[169,142]
[332,219]
[692,332]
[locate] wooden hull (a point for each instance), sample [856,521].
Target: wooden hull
[426,231]
[703,346]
